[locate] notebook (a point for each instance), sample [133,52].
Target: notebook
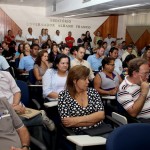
[30,113]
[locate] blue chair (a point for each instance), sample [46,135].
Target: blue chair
[32,78]
[25,98]
[135,136]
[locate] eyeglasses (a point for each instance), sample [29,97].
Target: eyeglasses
[111,64]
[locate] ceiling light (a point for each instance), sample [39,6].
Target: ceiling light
[133,14]
[124,7]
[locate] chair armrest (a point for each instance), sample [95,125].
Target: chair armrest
[36,103]
[38,143]
[67,131]
[113,122]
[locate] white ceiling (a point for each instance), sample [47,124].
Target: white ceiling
[101,9]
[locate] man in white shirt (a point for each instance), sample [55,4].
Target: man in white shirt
[109,39]
[58,38]
[118,64]
[30,37]
[127,52]
[19,38]
[80,61]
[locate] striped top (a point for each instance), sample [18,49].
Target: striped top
[129,93]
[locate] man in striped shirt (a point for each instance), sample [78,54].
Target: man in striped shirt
[134,93]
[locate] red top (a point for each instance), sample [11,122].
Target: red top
[8,39]
[69,41]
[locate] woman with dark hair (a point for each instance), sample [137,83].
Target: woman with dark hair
[125,64]
[26,50]
[49,45]
[54,52]
[146,54]
[54,79]
[107,81]
[41,65]
[80,107]
[127,59]
[88,38]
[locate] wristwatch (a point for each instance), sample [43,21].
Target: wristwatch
[26,146]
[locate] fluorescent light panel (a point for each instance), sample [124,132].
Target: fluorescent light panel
[124,7]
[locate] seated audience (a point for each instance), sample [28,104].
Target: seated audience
[134,93]
[53,54]
[19,39]
[49,45]
[30,36]
[57,38]
[126,63]
[146,54]
[41,65]
[88,49]
[80,107]
[80,41]
[73,52]
[97,37]
[6,52]
[120,50]
[14,135]
[65,49]
[26,50]
[12,94]
[88,38]
[9,37]
[118,63]
[107,81]
[43,37]
[19,50]
[95,60]
[27,62]
[128,51]
[69,40]
[54,79]
[80,61]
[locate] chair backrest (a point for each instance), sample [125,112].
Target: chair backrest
[17,60]
[32,78]
[24,92]
[133,136]
[120,118]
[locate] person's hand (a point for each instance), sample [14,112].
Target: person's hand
[114,91]
[14,148]
[46,62]
[68,121]
[144,86]
[19,109]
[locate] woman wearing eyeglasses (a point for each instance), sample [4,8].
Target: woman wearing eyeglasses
[106,82]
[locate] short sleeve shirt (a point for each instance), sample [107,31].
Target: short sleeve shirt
[69,107]
[8,126]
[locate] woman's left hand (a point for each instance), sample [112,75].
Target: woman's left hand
[69,121]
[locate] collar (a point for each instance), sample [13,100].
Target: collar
[78,60]
[128,82]
[1,74]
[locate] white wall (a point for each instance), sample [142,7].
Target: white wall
[34,17]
